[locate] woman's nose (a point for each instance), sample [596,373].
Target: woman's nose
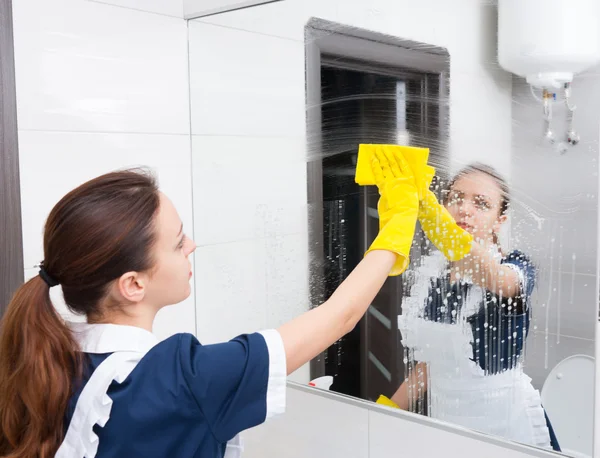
[466,207]
[192,247]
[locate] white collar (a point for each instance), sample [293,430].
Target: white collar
[110,338]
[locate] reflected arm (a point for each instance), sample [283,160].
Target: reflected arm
[486,271]
[418,376]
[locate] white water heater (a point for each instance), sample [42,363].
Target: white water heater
[548,42]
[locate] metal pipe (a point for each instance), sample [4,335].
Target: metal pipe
[548,134]
[572,136]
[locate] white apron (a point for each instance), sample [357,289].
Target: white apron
[504,404]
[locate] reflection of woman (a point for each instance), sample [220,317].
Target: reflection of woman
[467,324]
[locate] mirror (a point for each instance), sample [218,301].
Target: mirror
[501,342]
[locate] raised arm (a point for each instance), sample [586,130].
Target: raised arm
[485,270]
[311,333]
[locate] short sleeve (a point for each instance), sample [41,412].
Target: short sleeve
[237,384]
[525,269]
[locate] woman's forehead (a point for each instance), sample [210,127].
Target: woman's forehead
[478,183]
[168,219]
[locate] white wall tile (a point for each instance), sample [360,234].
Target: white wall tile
[556,238]
[230,290]
[251,285]
[301,375]
[377,15]
[166,7]
[311,427]
[292,17]
[176,318]
[287,278]
[245,84]
[75,158]
[248,187]
[545,350]
[86,66]
[170,320]
[567,307]
[389,436]
[287,285]
[196,8]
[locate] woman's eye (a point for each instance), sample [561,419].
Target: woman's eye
[455,199]
[482,204]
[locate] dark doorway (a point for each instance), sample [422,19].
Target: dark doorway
[353,100]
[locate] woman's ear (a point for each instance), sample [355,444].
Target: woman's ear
[131,287]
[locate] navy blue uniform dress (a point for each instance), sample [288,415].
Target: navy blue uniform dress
[501,323]
[175,398]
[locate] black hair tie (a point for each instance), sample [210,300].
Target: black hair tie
[50,281]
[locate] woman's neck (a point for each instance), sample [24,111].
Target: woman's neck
[138,318]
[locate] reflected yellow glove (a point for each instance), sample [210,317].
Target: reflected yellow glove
[415,157]
[398,206]
[385,401]
[442,230]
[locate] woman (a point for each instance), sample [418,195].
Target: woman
[108,388]
[466,323]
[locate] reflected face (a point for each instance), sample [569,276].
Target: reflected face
[474,202]
[170,279]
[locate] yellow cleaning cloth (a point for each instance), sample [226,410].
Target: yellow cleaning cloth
[436,221]
[416,158]
[385,401]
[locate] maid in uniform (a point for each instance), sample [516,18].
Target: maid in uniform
[108,387]
[466,323]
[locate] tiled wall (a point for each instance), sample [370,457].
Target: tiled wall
[197,8]
[556,222]
[101,86]
[323,427]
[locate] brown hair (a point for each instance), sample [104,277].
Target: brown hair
[478,167]
[96,233]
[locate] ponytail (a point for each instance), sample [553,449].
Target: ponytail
[39,365]
[92,236]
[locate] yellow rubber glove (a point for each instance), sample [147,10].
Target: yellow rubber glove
[385,401]
[416,158]
[442,230]
[398,206]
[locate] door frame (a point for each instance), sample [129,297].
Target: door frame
[11,234]
[324,40]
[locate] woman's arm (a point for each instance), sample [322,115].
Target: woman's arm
[418,376]
[312,332]
[486,271]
